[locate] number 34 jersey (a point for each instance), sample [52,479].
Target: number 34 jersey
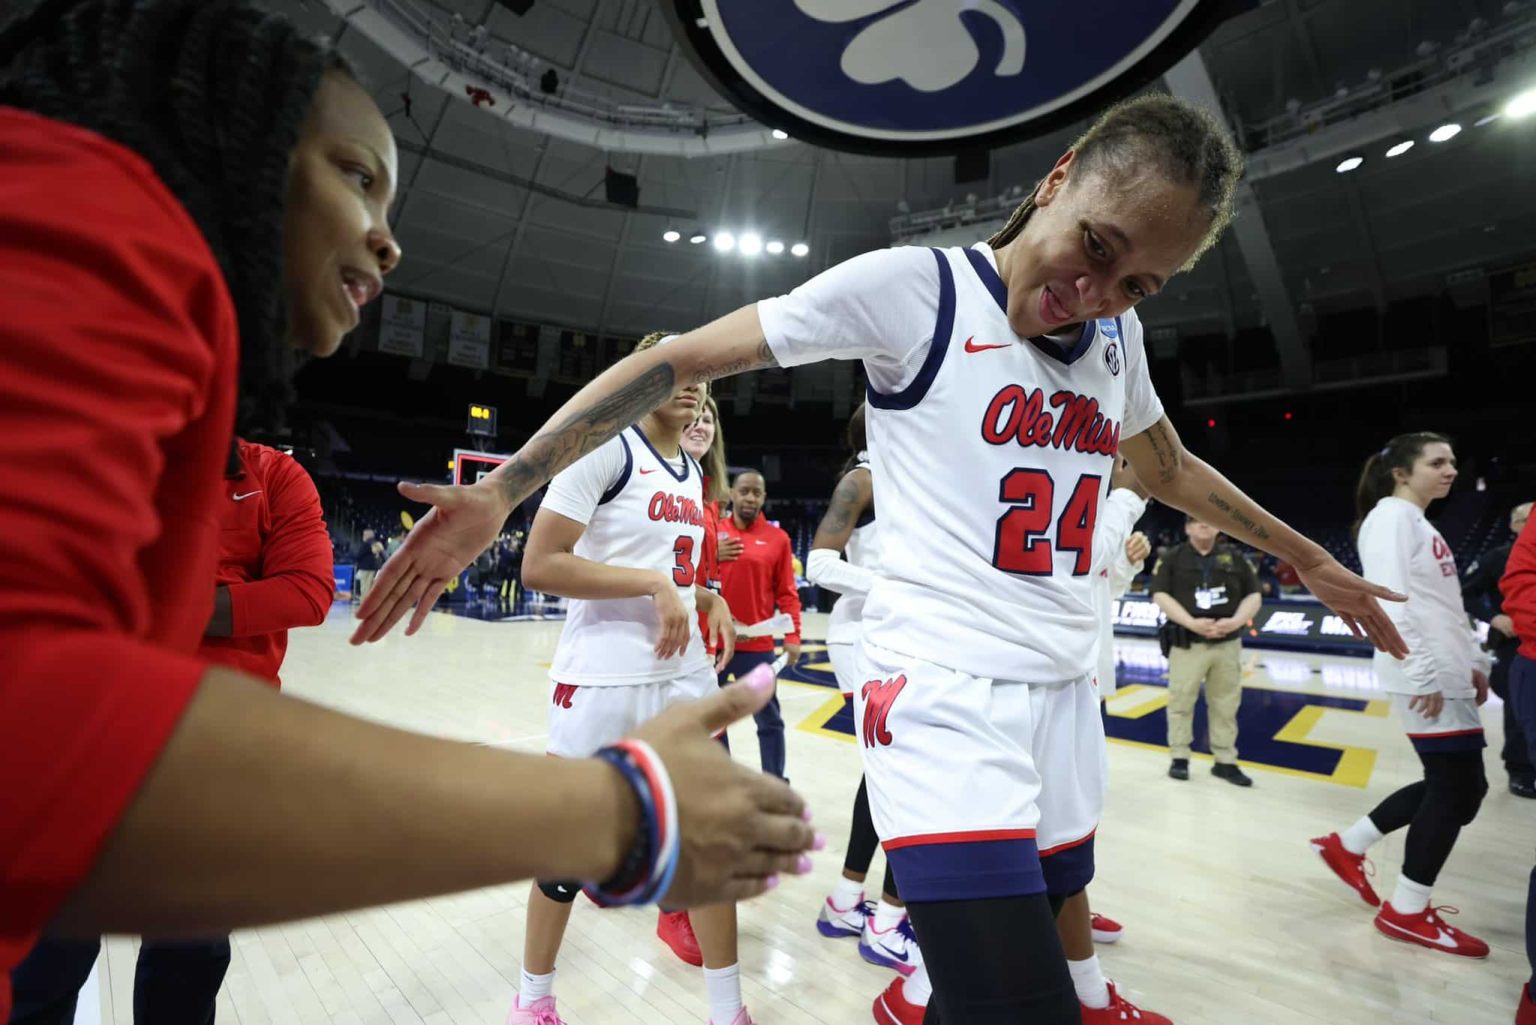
[991,454]
[641,511]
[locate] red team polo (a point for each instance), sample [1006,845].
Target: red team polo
[1519,588]
[275,558]
[118,350]
[761,581]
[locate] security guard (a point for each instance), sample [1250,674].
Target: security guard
[1209,593]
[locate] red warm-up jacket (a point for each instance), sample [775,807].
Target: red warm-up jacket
[1518,585]
[761,581]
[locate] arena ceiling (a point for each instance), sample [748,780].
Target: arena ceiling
[502,218]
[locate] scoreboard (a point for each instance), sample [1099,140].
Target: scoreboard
[482,420]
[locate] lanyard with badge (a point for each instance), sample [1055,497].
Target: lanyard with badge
[1206,596]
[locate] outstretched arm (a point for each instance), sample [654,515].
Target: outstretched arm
[1177,478]
[465,520]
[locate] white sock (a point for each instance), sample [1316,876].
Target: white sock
[724,988]
[1359,837]
[847,894]
[1088,979]
[534,987]
[887,916]
[1410,897]
[918,988]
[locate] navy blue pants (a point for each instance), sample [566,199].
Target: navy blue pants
[1522,694]
[175,983]
[770,721]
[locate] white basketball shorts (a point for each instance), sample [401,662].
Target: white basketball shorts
[845,666]
[1458,727]
[980,787]
[584,719]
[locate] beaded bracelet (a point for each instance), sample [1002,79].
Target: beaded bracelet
[648,869]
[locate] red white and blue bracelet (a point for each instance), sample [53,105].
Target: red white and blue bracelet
[647,871]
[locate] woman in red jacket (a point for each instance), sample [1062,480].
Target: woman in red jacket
[186,186]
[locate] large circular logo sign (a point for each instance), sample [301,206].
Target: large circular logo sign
[936,75]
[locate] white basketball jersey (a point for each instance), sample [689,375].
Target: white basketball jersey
[861,550]
[988,471]
[642,512]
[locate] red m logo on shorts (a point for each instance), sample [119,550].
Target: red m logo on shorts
[563,694]
[879,696]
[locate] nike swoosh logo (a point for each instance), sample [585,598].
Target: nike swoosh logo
[248,494]
[1442,939]
[971,346]
[644,472]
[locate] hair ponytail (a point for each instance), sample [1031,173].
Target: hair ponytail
[1376,477]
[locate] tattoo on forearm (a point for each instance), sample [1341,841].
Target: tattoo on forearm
[1239,517]
[847,502]
[1167,452]
[548,453]
[762,358]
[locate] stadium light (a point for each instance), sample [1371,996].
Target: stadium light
[800,249]
[671,235]
[780,134]
[750,245]
[1445,132]
[697,237]
[725,242]
[775,247]
[1400,148]
[1349,164]
[1522,104]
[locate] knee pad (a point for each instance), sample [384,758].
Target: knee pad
[560,893]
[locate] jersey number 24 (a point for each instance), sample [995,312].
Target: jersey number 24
[1024,544]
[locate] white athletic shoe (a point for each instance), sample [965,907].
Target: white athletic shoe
[838,922]
[895,948]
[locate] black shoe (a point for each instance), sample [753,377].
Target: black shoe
[1232,774]
[1522,786]
[1179,769]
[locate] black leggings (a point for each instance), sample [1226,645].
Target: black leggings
[995,962]
[862,842]
[1434,810]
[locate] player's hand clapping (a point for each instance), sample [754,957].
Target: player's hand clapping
[741,828]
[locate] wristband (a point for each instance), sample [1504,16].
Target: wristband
[649,867]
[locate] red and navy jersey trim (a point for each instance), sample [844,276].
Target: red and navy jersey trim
[623,478]
[944,326]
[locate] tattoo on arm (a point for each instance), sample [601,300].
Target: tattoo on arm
[548,453]
[1166,450]
[1236,515]
[847,503]
[762,358]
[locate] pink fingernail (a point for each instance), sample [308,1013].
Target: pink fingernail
[820,842]
[806,815]
[804,866]
[772,883]
[761,678]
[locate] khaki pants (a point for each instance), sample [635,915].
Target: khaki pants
[1219,666]
[363,583]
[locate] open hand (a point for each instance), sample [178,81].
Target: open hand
[1355,599]
[1428,705]
[740,828]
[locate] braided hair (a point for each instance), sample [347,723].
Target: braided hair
[213,95]
[1376,478]
[1186,143]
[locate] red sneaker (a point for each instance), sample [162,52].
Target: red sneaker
[1428,929]
[1121,1010]
[1350,868]
[892,1008]
[674,929]
[1106,930]
[1526,1015]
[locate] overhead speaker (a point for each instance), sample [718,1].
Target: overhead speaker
[973,165]
[517,7]
[622,189]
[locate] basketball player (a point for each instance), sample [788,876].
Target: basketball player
[1002,379]
[188,190]
[618,534]
[1436,692]
[848,529]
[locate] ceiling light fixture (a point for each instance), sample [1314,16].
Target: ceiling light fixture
[800,249]
[1349,164]
[725,242]
[1486,119]
[1445,132]
[775,247]
[1521,104]
[698,236]
[780,134]
[1398,149]
[671,235]
[750,244]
